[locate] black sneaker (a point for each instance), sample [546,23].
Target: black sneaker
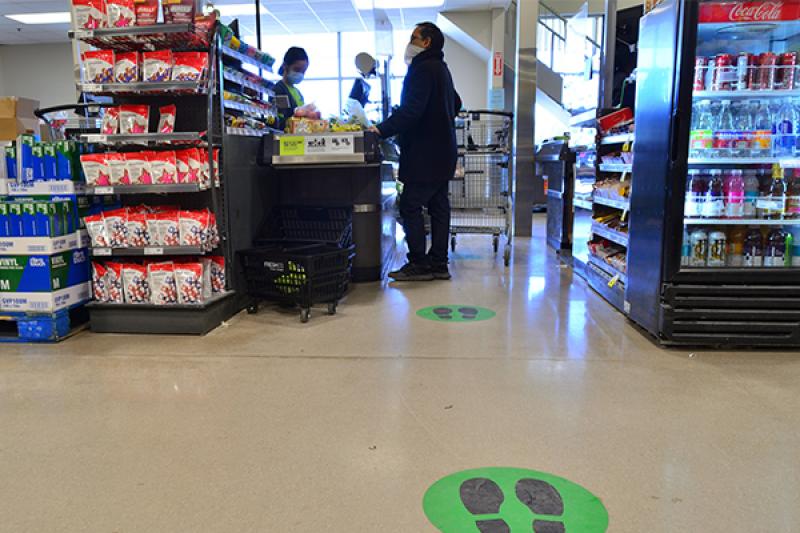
[412,272]
[440,272]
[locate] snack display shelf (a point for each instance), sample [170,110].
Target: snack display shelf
[245,132]
[741,222]
[736,160]
[188,87]
[247,83]
[143,138]
[247,108]
[608,269]
[620,138]
[158,36]
[230,52]
[612,202]
[147,251]
[146,189]
[615,167]
[748,95]
[207,303]
[46,188]
[607,233]
[582,204]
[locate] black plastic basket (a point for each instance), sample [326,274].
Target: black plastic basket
[328,225]
[297,273]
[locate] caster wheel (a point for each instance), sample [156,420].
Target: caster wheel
[332,309]
[507,256]
[305,314]
[252,309]
[496,243]
[453,243]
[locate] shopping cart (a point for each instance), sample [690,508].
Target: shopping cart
[479,193]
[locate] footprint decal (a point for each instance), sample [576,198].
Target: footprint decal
[444,313]
[456,313]
[512,500]
[468,313]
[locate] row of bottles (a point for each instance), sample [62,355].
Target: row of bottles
[741,247]
[722,129]
[749,193]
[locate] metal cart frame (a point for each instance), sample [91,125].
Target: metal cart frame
[480,193]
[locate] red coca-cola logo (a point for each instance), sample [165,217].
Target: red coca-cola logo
[747,12]
[765,11]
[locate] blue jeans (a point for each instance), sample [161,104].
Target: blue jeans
[434,196]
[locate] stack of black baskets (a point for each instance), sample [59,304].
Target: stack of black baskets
[303,258]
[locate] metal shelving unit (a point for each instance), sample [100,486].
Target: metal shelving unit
[244,132]
[147,189]
[624,205]
[741,222]
[582,204]
[620,138]
[610,234]
[244,82]
[227,51]
[190,87]
[247,108]
[144,138]
[147,251]
[615,167]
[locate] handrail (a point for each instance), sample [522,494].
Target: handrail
[566,21]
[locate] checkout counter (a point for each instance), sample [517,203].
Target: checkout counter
[340,169]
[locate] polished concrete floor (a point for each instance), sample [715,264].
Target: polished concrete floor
[340,425]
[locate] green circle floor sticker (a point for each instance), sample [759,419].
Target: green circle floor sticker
[456,313]
[512,500]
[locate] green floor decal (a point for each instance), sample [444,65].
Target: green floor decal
[456,313]
[512,500]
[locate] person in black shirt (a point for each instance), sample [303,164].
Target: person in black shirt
[361,89]
[293,70]
[425,122]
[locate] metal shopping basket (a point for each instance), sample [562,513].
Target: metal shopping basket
[479,192]
[68,122]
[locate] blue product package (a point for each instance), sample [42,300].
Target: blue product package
[64,161]
[11,162]
[3,219]
[25,163]
[37,161]
[28,219]
[47,224]
[50,171]
[15,219]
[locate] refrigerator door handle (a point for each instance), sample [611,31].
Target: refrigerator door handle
[676,133]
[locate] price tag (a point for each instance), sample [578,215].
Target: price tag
[92,87]
[624,215]
[153,251]
[94,138]
[613,281]
[623,177]
[104,190]
[101,251]
[84,34]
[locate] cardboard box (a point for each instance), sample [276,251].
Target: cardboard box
[45,302]
[11,128]
[15,107]
[43,273]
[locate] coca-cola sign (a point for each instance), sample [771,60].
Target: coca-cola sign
[765,11]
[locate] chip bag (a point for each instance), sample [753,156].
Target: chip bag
[178,11]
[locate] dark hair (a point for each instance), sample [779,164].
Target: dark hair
[429,30]
[293,55]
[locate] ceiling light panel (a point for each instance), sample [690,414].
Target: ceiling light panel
[58,17]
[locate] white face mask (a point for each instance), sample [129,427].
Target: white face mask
[412,51]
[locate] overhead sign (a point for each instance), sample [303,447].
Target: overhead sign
[764,11]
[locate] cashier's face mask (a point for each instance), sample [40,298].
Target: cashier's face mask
[412,51]
[295,77]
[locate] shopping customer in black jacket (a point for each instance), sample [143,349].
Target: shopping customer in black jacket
[425,122]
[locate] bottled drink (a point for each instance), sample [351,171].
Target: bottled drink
[761,141]
[764,182]
[686,249]
[775,254]
[724,132]
[717,249]
[734,194]
[714,205]
[776,206]
[736,240]
[795,231]
[751,185]
[696,187]
[699,253]
[701,136]
[785,135]
[754,248]
[793,197]
[743,131]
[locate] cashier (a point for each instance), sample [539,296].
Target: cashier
[293,70]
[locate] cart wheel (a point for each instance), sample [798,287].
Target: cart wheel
[496,243]
[507,256]
[453,243]
[252,309]
[332,308]
[305,314]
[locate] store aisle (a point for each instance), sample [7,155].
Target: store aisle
[340,425]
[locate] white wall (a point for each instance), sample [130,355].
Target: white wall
[43,72]
[469,74]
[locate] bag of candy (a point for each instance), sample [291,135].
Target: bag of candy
[138,233]
[117,227]
[163,166]
[114,283]
[157,66]
[121,13]
[178,11]
[153,229]
[110,124]
[138,165]
[193,227]
[126,67]
[166,122]
[146,12]
[95,168]
[182,165]
[98,66]
[189,66]
[136,286]
[164,290]
[205,176]
[216,166]
[96,227]
[134,119]
[89,14]
[217,274]
[189,279]
[118,169]
[99,289]
[169,228]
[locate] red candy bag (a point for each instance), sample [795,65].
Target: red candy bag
[114,282]
[189,66]
[99,289]
[157,66]
[164,289]
[193,228]
[117,227]
[163,166]
[217,274]
[89,14]
[138,166]
[96,227]
[189,279]
[121,13]
[98,66]
[126,67]
[138,234]
[95,168]
[118,169]
[134,119]
[182,160]
[178,11]
[146,12]
[136,286]
[153,230]
[110,124]
[166,123]
[169,228]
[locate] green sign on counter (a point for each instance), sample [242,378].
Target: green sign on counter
[292,146]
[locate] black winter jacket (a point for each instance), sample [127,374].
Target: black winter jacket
[425,121]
